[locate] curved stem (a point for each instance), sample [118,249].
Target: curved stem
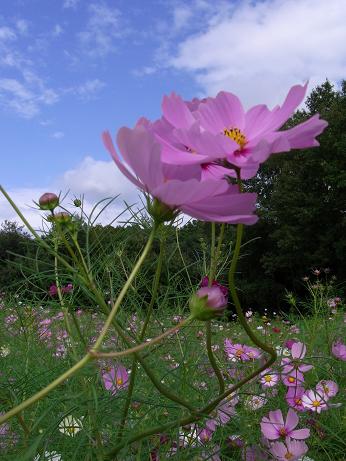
[140,347]
[242,319]
[212,358]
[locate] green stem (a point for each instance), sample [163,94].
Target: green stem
[212,255]
[212,358]
[39,395]
[242,319]
[131,387]
[123,291]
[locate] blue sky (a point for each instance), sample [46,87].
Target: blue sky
[71,68]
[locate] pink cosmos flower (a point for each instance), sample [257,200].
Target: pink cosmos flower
[292,378]
[176,187]
[53,290]
[218,129]
[314,401]
[115,378]
[298,351]
[339,350]
[269,378]
[291,450]
[221,415]
[241,351]
[327,389]
[294,398]
[274,426]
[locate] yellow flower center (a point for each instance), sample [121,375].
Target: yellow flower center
[236,135]
[267,378]
[291,379]
[298,401]
[239,352]
[282,431]
[326,389]
[119,381]
[316,403]
[71,429]
[289,455]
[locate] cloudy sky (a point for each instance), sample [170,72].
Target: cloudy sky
[71,68]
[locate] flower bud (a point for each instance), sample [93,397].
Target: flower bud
[160,212]
[63,218]
[77,203]
[208,303]
[48,201]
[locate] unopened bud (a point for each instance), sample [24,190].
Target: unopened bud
[77,203]
[48,201]
[208,303]
[63,218]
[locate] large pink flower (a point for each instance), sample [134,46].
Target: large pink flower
[256,131]
[213,130]
[273,427]
[178,187]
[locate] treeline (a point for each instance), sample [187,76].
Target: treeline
[302,226]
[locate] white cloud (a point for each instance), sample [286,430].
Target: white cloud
[94,179]
[89,88]
[57,30]
[25,98]
[58,135]
[102,29]
[22,26]
[259,49]
[6,34]
[70,3]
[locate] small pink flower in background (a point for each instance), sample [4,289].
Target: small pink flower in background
[241,352]
[205,435]
[334,302]
[10,319]
[273,427]
[67,288]
[339,350]
[291,450]
[221,415]
[294,329]
[269,378]
[53,290]
[289,343]
[314,401]
[327,388]
[294,398]
[298,351]
[292,378]
[115,378]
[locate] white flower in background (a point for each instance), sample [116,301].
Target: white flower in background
[48,456]
[71,426]
[4,351]
[255,402]
[282,351]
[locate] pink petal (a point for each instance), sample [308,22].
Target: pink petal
[107,140]
[292,420]
[176,111]
[300,434]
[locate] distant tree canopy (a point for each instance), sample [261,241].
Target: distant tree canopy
[302,209]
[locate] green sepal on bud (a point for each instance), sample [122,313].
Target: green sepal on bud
[48,201]
[62,218]
[160,212]
[200,310]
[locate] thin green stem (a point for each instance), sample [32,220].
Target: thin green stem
[131,387]
[123,291]
[212,358]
